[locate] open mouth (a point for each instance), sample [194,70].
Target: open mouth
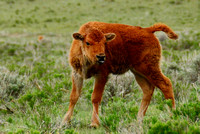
[101,61]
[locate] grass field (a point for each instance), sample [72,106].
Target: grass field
[35,81]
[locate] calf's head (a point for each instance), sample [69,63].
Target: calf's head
[93,45]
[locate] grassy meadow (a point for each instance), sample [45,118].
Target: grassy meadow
[35,77]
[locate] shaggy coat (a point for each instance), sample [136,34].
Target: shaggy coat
[99,49]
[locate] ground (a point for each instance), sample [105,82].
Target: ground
[35,37]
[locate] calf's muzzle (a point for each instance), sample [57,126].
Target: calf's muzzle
[101,58]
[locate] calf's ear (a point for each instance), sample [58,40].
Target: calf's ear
[110,36]
[78,36]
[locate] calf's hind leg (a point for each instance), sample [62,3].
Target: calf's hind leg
[148,90]
[164,84]
[157,78]
[77,83]
[150,68]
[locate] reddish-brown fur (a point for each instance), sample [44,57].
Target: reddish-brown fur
[125,48]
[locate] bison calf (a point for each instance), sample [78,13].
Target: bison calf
[99,49]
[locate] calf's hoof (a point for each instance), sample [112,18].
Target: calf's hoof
[65,123]
[94,125]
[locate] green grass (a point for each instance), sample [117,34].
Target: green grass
[35,81]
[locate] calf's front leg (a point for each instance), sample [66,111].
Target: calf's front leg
[100,82]
[77,83]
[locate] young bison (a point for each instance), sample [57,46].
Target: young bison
[103,48]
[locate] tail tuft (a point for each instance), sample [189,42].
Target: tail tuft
[163,27]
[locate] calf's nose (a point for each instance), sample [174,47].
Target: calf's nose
[101,58]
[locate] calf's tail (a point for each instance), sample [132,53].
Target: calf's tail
[163,27]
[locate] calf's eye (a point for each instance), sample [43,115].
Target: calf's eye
[87,43]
